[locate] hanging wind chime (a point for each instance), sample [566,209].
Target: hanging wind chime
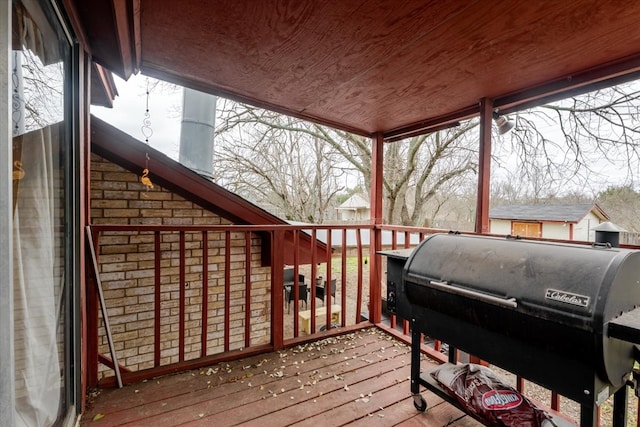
[147,132]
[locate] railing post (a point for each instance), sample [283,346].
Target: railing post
[484,166]
[277,289]
[375,242]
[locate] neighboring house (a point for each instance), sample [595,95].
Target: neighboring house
[553,221]
[355,208]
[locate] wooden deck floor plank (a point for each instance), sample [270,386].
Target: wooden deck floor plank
[153,413]
[127,405]
[398,409]
[111,399]
[367,361]
[442,415]
[264,404]
[372,379]
[466,421]
[371,408]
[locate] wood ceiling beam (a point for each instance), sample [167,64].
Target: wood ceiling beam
[613,74]
[431,125]
[127,21]
[602,77]
[166,75]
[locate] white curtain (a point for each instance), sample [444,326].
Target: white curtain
[38,277]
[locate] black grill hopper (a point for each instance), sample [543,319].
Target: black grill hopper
[540,310]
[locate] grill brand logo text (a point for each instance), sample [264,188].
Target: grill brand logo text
[500,400]
[567,297]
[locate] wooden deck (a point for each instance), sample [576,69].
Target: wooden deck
[357,379]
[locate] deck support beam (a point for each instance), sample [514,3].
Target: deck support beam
[484,167]
[375,242]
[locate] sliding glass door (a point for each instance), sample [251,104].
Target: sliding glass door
[42,205]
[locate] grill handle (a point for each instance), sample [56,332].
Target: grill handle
[502,302]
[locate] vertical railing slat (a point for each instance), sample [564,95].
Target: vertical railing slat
[314,274]
[296,284]
[277,290]
[360,267]
[157,298]
[205,293]
[394,245]
[407,244]
[327,286]
[227,289]
[181,287]
[247,289]
[343,279]
[555,401]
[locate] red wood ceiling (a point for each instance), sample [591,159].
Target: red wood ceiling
[379,65]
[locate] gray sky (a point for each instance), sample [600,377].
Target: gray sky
[129,110]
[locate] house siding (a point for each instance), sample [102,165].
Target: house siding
[500,226]
[556,230]
[126,263]
[583,230]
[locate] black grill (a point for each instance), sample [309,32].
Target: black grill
[563,316]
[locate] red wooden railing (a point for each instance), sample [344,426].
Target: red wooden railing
[170,264]
[328,249]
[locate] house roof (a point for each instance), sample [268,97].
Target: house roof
[371,66]
[543,212]
[356,201]
[134,155]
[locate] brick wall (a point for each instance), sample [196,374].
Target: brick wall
[126,262]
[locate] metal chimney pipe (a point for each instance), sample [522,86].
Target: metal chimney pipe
[197,131]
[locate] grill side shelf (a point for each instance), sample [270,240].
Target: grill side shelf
[626,327]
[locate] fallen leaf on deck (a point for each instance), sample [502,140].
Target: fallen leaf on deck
[98,417]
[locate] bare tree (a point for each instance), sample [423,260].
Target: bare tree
[588,142]
[297,166]
[37,91]
[569,147]
[422,167]
[278,162]
[622,203]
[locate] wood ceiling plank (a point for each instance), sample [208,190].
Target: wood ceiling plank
[378,65]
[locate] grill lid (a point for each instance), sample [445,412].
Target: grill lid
[579,285]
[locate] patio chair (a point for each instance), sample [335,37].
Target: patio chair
[320,290]
[289,274]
